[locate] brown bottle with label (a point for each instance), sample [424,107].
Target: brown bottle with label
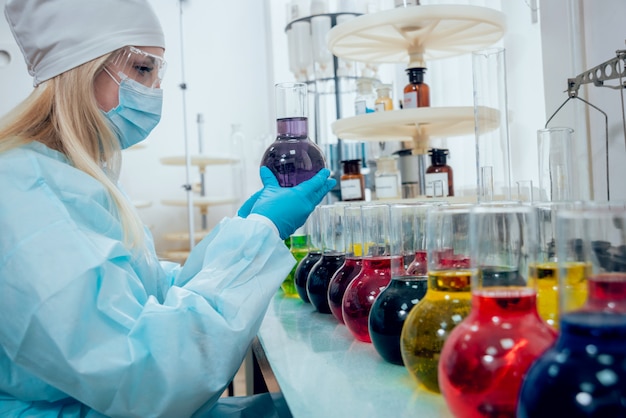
[352,182]
[438,178]
[416,93]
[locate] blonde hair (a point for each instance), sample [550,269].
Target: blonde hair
[63,114]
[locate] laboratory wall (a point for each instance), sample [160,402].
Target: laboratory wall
[224,58]
[578,36]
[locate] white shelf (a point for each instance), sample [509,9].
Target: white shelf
[417,34]
[413,124]
[175,255]
[184,236]
[140,204]
[201,201]
[199,160]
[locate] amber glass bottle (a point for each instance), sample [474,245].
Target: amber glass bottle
[352,182]
[416,93]
[438,178]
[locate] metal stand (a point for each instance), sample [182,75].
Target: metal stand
[598,75]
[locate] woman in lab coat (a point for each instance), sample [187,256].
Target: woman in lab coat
[92,323]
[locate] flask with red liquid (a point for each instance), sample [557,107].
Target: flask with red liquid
[292,157]
[584,373]
[375,271]
[485,357]
[352,239]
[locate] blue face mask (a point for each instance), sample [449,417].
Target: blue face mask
[138,112]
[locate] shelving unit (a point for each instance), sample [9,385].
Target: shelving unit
[202,201]
[414,35]
[412,124]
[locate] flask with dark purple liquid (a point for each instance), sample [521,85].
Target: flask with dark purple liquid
[293,157]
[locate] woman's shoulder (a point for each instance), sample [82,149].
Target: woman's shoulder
[34,169]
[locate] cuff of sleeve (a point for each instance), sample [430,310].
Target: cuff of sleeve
[265,220]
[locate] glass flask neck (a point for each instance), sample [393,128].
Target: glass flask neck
[607,293]
[505,301]
[292,128]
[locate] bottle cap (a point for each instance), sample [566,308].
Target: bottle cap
[416,75]
[364,85]
[386,164]
[351,166]
[438,156]
[383,90]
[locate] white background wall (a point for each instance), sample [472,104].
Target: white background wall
[234,52]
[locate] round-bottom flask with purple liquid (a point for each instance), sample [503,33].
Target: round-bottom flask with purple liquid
[293,157]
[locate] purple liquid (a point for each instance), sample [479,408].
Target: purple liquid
[293,157]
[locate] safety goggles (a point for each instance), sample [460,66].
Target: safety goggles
[141,66]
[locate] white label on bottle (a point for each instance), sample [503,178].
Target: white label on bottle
[360,107]
[387,186]
[380,107]
[410,100]
[351,189]
[436,184]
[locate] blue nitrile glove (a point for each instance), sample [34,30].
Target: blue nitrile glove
[245,209]
[289,207]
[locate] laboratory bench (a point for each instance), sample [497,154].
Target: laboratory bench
[314,364]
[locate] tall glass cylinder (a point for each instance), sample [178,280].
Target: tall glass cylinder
[503,329]
[584,373]
[314,234]
[353,239]
[447,301]
[493,155]
[375,272]
[292,157]
[557,173]
[331,226]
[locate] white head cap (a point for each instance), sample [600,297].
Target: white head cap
[58,35]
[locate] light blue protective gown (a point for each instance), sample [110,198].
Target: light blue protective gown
[87,326]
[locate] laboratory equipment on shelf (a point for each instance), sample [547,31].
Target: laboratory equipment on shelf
[416,92]
[415,35]
[292,157]
[387,179]
[439,175]
[352,182]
